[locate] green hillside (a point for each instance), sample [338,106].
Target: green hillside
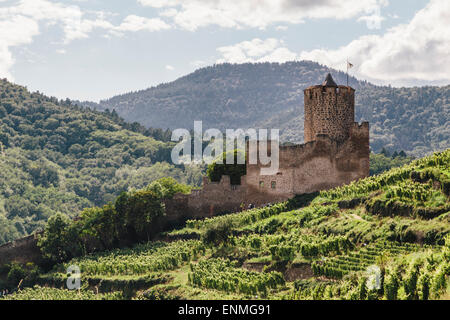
[57,157]
[383,237]
[270,95]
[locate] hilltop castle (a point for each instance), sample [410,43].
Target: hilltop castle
[335,152]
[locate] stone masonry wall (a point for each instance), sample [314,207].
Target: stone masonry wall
[214,198]
[21,250]
[318,165]
[330,111]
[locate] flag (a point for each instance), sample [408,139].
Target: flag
[349,66]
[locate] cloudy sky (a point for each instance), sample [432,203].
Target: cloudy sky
[91,50]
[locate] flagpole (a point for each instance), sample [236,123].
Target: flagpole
[347,72]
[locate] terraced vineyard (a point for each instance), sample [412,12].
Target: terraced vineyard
[339,266]
[44,293]
[224,275]
[384,237]
[141,260]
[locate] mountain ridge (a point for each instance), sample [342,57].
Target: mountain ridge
[270,95]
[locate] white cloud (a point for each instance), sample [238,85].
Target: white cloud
[169,67]
[135,23]
[193,14]
[19,23]
[256,50]
[158,3]
[374,20]
[419,50]
[413,53]
[73,21]
[279,55]
[15,31]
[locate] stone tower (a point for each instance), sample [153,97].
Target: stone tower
[329,110]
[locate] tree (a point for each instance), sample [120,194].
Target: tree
[101,224]
[235,171]
[60,241]
[16,274]
[167,188]
[137,210]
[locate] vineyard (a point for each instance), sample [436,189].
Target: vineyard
[44,293]
[142,259]
[241,218]
[222,274]
[337,267]
[420,275]
[386,237]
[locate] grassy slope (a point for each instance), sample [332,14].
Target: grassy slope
[389,221]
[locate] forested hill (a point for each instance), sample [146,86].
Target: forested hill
[270,95]
[57,157]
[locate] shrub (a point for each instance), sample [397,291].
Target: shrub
[283,253]
[23,275]
[16,274]
[438,283]
[131,217]
[424,286]
[410,281]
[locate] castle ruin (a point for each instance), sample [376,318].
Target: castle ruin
[335,152]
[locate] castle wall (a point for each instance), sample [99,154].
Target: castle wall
[21,250]
[214,198]
[318,165]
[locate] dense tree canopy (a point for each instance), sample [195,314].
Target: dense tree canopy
[56,157]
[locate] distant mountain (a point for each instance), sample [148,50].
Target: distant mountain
[270,95]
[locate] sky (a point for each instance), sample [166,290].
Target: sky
[93,50]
